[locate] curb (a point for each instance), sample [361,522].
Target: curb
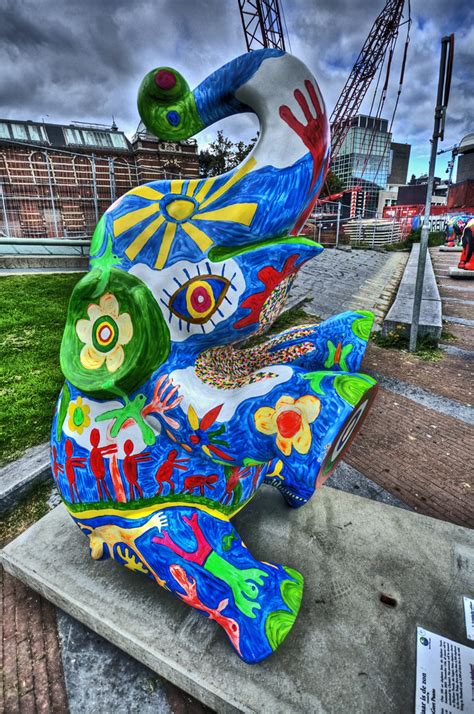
[400,315]
[20,476]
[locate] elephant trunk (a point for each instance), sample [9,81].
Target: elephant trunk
[292,152]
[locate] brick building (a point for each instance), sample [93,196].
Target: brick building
[56,180]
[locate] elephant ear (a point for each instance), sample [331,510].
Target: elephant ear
[115,335]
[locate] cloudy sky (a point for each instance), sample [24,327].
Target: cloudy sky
[65,60]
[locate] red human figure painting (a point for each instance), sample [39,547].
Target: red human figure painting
[130,468]
[73,462]
[97,463]
[198,482]
[236,473]
[57,468]
[165,471]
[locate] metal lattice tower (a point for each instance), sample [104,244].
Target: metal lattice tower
[383,32]
[261,20]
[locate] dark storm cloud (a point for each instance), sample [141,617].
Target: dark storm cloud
[84,59]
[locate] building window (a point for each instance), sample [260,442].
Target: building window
[118,140]
[97,138]
[36,133]
[73,136]
[4,132]
[19,132]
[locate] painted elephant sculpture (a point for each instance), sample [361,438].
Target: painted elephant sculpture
[454,229]
[168,421]
[466,261]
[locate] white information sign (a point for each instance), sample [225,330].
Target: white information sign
[444,675]
[469,615]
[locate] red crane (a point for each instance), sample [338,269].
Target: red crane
[380,40]
[261,20]
[262,24]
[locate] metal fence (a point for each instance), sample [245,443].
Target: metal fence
[47,195]
[327,226]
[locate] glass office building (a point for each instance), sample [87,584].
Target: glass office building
[364,160]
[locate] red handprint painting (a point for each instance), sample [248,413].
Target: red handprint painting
[314,135]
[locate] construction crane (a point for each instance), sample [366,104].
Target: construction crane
[379,43]
[262,24]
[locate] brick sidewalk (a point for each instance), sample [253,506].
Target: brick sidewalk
[451,377]
[32,678]
[418,454]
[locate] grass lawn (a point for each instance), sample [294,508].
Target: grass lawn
[32,317]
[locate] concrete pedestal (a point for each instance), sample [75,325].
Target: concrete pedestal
[372,573]
[454,249]
[461,274]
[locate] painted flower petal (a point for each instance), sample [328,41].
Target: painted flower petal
[309,406]
[193,418]
[302,440]
[284,444]
[94,313]
[210,417]
[114,358]
[90,358]
[284,401]
[109,305]
[84,330]
[265,420]
[125,326]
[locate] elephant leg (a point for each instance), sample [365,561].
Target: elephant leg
[209,568]
[199,556]
[345,403]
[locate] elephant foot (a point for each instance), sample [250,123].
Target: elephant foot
[349,398]
[198,555]
[346,434]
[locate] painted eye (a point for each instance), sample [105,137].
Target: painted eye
[198,299]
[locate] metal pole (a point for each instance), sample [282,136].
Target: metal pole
[113,187]
[5,216]
[50,182]
[338,223]
[94,185]
[438,133]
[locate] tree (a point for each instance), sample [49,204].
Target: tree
[222,155]
[332,184]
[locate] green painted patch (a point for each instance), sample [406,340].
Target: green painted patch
[277,626]
[362,326]
[62,410]
[352,387]
[219,253]
[168,113]
[146,350]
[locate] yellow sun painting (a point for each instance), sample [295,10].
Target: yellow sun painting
[183,207]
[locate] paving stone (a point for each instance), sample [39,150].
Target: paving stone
[336,280]
[452,377]
[461,274]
